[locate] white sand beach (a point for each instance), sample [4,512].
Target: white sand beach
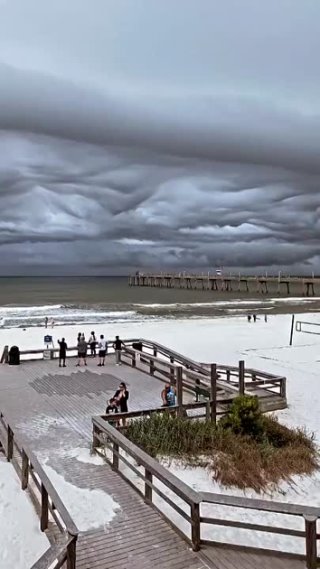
[264,345]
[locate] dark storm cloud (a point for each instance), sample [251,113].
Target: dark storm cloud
[133,139]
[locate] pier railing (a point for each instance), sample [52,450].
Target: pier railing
[170,496]
[55,519]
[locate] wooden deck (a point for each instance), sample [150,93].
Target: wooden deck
[51,408]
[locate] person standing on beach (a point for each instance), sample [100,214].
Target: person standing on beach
[117,345]
[103,345]
[82,351]
[62,352]
[92,344]
[46,322]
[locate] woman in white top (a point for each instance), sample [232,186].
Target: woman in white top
[103,346]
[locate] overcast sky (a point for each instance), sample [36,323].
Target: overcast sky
[159,133]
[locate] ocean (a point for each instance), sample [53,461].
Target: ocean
[26,301]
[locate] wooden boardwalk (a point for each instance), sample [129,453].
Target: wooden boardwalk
[51,408]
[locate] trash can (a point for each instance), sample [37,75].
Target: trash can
[14,356]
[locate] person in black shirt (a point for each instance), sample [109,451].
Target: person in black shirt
[117,345]
[121,397]
[62,352]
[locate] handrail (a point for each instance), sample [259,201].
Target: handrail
[49,501]
[182,490]
[104,432]
[57,552]
[152,470]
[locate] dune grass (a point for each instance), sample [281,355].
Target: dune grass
[245,450]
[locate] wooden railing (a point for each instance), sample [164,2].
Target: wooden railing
[231,374]
[51,509]
[109,442]
[110,438]
[164,363]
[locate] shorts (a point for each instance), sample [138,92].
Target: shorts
[102,353]
[82,354]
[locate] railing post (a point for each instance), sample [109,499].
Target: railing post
[171,369]
[283,387]
[155,352]
[147,488]
[241,377]
[24,470]
[115,457]
[71,554]
[195,526]
[151,367]
[311,541]
[213,392]
[228,375]
[44,509]
[9,444]
[95,440]
[179,390]
[134,360]
[208,410]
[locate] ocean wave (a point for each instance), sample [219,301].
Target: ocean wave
[231,302]
[61,315]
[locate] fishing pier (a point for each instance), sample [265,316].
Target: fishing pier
[306,286]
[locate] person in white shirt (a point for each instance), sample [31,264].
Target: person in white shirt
[103,346]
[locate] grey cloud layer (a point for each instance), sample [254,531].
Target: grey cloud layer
[133,139]
[119,209]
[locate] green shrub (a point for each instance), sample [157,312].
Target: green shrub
[244,417]
[245,450]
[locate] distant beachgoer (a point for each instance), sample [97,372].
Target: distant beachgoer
[265,318]
[168,396]
[249,317]
[46,322]
[78,337]
[93,344]
[62,352]
[103,346]
[52,323]
[254,318]
[82,351]
[121,397]
[117,345]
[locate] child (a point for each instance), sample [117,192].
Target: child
[112,408]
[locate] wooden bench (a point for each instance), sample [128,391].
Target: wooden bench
[201,392]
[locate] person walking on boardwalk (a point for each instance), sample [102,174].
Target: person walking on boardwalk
[103,345]
[117,345]
[93,344]
[62,352]
[82,351]
[121,397]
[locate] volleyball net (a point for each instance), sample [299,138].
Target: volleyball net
[308,327]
